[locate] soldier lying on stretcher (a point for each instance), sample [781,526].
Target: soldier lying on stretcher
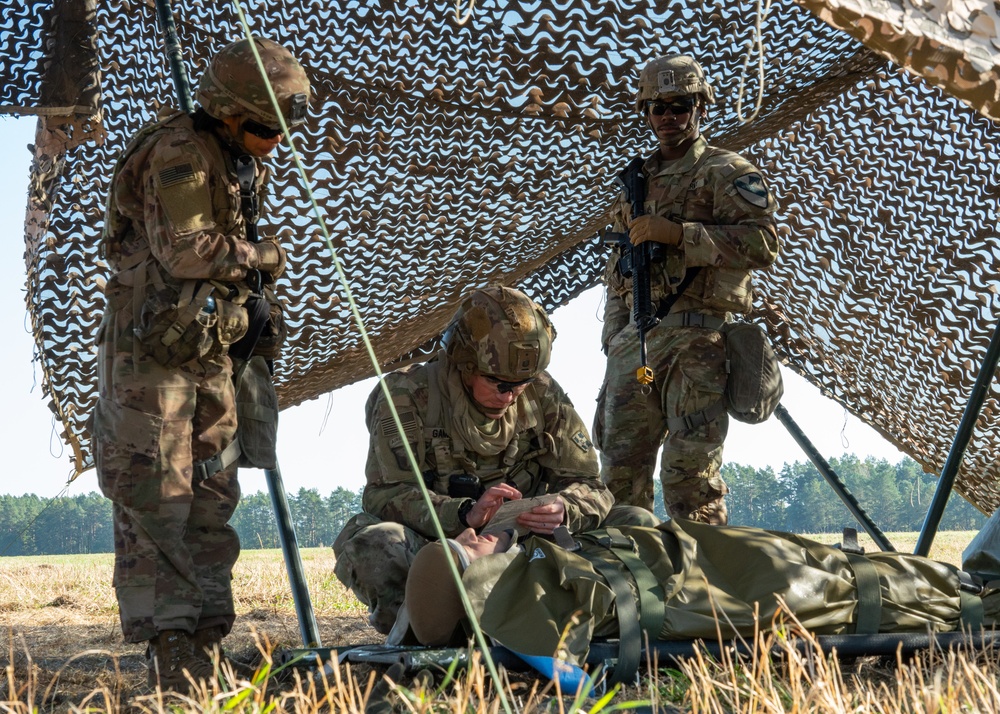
[688,581]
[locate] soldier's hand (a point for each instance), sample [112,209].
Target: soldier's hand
[544,519]
[270,258]
[487,505]
[655,228]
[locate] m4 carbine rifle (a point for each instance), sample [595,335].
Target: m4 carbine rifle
[634,262]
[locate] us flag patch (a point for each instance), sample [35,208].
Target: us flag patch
[176,174]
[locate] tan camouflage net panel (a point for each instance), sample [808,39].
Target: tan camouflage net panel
[447,156]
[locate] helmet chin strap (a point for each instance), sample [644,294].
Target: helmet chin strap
[234,139]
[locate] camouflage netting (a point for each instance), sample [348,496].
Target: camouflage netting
[447,155]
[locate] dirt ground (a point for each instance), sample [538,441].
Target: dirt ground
[55,660]
[62,639]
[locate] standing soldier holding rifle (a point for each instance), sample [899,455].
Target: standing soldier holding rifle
[693,220]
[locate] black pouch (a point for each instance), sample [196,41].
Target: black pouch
[464,486]
[256,413]
[754,387]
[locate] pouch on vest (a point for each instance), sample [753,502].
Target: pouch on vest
[177,330]
[754,387]
[256,414]
[275,332]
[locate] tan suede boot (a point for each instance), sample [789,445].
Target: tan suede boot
[207,643]
[171,658]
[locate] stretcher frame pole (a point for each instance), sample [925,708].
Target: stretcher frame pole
[833,479]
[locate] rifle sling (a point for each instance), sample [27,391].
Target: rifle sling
[668,302]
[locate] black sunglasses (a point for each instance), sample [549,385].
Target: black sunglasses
[260,130]
[503,387]
[676,108]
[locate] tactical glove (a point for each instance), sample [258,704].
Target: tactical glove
[270,258]
[655,228]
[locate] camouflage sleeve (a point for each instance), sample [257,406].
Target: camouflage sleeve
[616,317]
[391,491]
[570,467]
[180,219]
[743,235]
[616,312]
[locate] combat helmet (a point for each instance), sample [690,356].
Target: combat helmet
[502,333]
[233,84]
[672,75]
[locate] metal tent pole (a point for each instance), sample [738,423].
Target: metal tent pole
[831,476]
[962,438]
[178,71]
[293,559]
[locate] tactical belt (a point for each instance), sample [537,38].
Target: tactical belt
[693,319]
[637,622]
[207,468]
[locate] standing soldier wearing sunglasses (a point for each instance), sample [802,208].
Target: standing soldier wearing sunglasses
[487,424]
[709,212]
[181,240]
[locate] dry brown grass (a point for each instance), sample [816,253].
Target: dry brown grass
[63,652]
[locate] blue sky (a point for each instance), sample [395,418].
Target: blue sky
[323,443]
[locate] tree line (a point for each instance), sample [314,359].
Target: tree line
[796,499]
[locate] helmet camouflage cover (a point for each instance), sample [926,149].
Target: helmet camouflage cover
[233,84]
[502,333]
[670,76]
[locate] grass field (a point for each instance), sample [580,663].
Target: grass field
[63,652]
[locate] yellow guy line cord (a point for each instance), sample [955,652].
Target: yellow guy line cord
[758,39]
[306,184]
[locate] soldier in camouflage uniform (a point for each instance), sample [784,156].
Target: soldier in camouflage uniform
[180,238]
[711,211]
[486,424]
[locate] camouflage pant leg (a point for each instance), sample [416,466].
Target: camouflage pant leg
[148,425]
[693,380]
[627,431]
[373,560]
[215,547]
[689,375]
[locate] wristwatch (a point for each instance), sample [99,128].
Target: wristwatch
[463,511]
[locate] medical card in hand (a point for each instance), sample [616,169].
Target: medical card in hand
[506,516]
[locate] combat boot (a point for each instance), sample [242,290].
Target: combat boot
[171,658]
[208,641]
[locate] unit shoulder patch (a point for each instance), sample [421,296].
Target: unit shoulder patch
[581,440]
[753,190]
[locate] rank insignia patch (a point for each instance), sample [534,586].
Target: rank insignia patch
[752,188]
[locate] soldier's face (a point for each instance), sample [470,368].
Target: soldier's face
[257,144]
[673,120]
[240,130]
[479,545]
[489,398]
